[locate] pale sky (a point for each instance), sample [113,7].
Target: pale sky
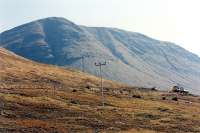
[176,21]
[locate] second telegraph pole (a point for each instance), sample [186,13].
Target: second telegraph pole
[100,64]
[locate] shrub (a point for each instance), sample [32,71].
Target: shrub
[163,109]
[163,98]
[136,96]
[175,99]
[75,101]
[74,90]
[88,87]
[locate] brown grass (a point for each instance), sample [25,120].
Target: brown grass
[40,98]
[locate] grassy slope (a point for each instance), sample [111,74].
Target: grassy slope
[41,98]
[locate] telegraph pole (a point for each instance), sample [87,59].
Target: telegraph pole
[83,61]
[100,64]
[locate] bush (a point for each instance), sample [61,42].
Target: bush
[163,98]
[163,109]
[74,90]
[88,87]
[75,101]
[136,96]
[175,99]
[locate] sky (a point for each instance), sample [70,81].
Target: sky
[176,21]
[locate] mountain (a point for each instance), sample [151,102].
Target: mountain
[132,58]
[43,98]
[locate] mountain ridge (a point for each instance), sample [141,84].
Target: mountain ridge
[138,59]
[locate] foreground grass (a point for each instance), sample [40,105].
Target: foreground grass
[40,98]
[80,111]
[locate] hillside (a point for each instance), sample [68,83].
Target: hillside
[133,58]
[42,98]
